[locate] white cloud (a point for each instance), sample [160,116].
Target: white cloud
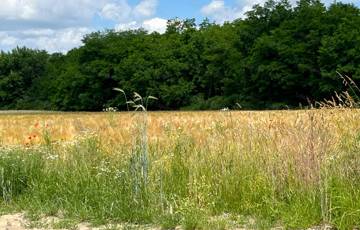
[120,11]
[214,7]
[139,17]
[49,13]
[38,32]
[127,26]
[60,40]
[136,17]
[218,11]
[59,25]
[145,8]
[6,40]
[155,24]
[152,25]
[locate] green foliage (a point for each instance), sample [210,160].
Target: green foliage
[18,171]
[277,55]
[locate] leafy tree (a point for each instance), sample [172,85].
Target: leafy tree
[276,55]
[19,70]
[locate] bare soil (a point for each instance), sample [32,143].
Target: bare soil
[19,222]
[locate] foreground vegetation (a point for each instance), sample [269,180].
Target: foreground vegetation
[210,170]
[278,56]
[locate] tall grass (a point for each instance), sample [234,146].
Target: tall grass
[274,171]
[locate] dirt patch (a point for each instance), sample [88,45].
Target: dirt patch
[19,222]
[12,222]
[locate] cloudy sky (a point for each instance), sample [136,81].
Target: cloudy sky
[59,25]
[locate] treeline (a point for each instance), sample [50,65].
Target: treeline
[278,56]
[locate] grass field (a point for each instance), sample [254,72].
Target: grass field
[200,170]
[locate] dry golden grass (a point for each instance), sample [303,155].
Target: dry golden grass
[275,129]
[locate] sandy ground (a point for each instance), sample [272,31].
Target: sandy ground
[18,222]
[11,222]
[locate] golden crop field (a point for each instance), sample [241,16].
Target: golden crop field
[203,127]
[307,137]
[294,168]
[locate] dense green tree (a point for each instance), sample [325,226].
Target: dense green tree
[340,48]
[19,70]
[278,56]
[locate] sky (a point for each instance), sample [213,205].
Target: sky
[59,25]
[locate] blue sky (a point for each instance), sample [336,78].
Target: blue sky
[167,9]
[59,25]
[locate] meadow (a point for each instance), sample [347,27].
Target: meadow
[199,170]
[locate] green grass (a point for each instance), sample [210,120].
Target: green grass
[185,185]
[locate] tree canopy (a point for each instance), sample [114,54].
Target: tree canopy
[277,56]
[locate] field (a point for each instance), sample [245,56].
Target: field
[198,170]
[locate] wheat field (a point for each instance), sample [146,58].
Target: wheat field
[296,169]
[202,127]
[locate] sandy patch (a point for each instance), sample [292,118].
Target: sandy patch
[19,222]
[12,222]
